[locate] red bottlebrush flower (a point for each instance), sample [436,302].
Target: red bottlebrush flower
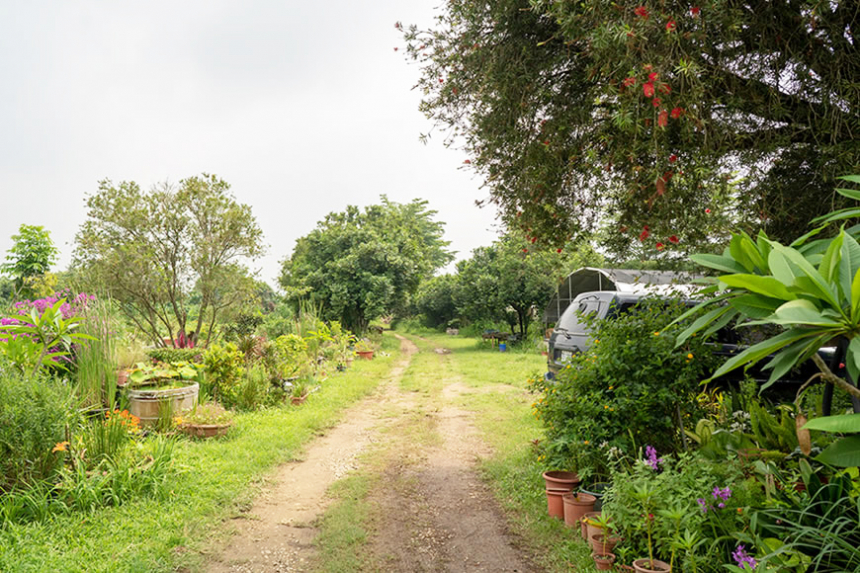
[652,77]
[694,11]
[525,250]
[677,112]
[647,67]
[673,158]
[468,161]
[642,12]
[664,88]
[629,82]
[659,246]
[663,118]
[396,48]
[674,239]
[648,89]
[558,250]
[667,176]
[546,142]
[656,102]
[670,26]
[534,240]
[644,234]
[707,211]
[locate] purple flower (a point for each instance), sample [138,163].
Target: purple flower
[703,504]
[723,494]
[652,459]
[743,559]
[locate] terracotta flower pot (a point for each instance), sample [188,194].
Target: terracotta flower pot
[561,480]
[555,503]
[585,534]
[648,566]
[206,430]
[575,506]
[296,400]
[603,561]
[121,378]
[603,543]
[365,354]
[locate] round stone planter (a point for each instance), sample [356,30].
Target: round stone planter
[206,430]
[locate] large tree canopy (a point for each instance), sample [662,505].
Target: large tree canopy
[362,264]
[637,113]
[152,250]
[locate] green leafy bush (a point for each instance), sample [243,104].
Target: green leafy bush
[224,371]
[172,355]
[34,416]
[630,388]
[291,351]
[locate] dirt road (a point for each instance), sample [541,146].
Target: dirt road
[434,513]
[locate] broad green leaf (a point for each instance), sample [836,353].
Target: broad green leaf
[801,311]
[720,323]
[829,266]
[840,215]
[718,262]
[803,238]
[781,267]
[758,351]
[767,286]
[700,323]
[823,288]
[750,249]
[850,193]
[843,453]
[755,305]
[702,305]
[849,264]
[855,298]
[739,254]
[798,353]
[842,424]
[784,361]
[852,359]
[763,244]
[851,178]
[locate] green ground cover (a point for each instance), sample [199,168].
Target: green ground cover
[216,479]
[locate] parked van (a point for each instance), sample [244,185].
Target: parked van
[571,336]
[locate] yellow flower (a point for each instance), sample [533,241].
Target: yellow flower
[596,341]
[656,334]
[690,356]
[605,407]
[611,387]
[585,442]
[60,447]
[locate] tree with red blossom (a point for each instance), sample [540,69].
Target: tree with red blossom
[767,89]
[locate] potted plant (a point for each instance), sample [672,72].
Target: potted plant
[299,392]
[127,355]
[154,388]
[603,561]
[575,506]
[205,421]
[644,495]
[364,349]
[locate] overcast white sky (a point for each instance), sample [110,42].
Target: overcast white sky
[303,107]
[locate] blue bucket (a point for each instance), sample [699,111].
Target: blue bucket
[502,347]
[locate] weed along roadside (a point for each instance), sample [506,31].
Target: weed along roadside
[212,481]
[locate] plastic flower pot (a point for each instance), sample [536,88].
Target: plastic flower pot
[596,489]
[561,480]
[575,506]
[555,503]
[502,347]
[603,543]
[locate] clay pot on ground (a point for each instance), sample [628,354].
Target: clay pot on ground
[648,566]
[604,543]
[585,526]
[121,378]
[555,502]
[603,561]
[591,529]
[575,506]
[296,400]
[365,354]
[561,480]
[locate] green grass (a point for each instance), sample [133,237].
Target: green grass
[218,479]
